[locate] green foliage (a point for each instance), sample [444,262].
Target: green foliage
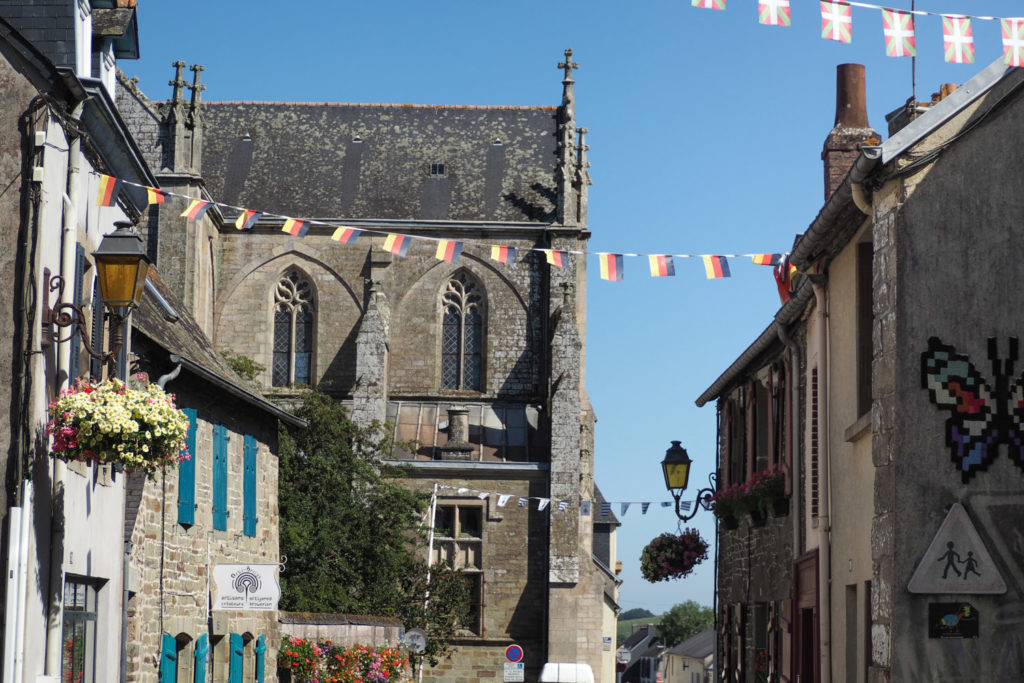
[352,535]
[683,621]
[246,367]
[635,613]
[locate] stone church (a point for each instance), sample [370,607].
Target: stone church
[479,362]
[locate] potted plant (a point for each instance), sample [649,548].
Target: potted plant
[671,556]
[768,489]
[137,425]
[729,505]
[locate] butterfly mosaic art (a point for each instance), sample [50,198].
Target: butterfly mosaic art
[982,415]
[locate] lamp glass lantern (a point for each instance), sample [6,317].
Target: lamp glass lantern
[676,467]
[121,268]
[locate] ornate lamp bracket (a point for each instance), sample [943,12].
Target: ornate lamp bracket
[703,499]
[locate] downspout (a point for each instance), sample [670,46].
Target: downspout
[794,431]
[824,522]
[59,473]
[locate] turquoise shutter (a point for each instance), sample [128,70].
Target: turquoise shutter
[169,660]
[76,298]
[237,654]
[220,477]
[98,309]
[187,474]
[249,486]
[261,648]
[202,650]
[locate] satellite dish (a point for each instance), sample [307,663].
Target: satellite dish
[415,639]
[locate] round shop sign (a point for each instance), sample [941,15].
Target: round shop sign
[514,653]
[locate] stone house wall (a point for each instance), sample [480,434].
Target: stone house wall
[174,563]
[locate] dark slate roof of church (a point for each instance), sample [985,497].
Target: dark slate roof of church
[378,161]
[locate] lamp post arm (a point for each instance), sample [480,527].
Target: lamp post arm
[703,500]
[69,315]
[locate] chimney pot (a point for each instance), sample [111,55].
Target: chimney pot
[851,99]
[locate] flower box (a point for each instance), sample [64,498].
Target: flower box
[135,425]
[764,491]
[673,557]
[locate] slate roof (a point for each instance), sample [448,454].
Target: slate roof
[600,517]
[637,637]
[696,647]
[375,161]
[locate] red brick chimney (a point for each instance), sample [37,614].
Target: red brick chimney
[851,131]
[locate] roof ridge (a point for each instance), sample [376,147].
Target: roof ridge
[542,107]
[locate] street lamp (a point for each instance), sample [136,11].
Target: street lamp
[121,267]
[676,468]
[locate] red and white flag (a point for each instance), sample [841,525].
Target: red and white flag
[836,21]
[958,39]
[773,12]
[898,28]
[1013,41]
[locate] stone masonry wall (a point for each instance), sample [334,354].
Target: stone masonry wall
[514,563]
[174,563]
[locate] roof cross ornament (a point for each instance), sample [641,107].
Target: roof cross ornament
[568,65]
[178,83]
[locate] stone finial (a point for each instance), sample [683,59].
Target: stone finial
[581,157]
[568,65]
[197,88]
[178,83]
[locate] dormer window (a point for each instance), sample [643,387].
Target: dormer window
[437,170]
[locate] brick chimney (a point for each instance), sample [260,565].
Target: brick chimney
[851,131]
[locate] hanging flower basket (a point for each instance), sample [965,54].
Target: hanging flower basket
[135,425]
[673,557]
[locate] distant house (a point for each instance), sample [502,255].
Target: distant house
[645,650]
[691,661]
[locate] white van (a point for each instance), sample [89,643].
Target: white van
[554,672]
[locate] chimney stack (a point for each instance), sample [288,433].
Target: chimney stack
[852,130]
[458,446]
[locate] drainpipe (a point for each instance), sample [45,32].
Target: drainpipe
[794,431]
[59,469]
[824,523]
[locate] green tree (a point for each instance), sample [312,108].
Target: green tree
[635,613]
[683,621]
[352,535]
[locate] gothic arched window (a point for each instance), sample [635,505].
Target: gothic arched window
[294,310]
[462,334]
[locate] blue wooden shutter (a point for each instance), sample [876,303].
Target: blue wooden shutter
[97,332]
[169,660]
[76,298]
[220,477]
[187,474]
[202,650]
[237,658]
[261,648]
[249,486]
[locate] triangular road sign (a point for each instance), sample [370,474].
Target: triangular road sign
[957,561]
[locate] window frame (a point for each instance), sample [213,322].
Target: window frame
[88,616]
[455,542]
[463,294]
[295,304]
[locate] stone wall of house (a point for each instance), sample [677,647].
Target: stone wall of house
[172,565]
[342,629]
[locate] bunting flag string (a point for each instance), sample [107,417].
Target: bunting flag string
[611,264]
[897,27]
[586,507]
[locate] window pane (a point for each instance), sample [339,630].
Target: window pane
[280,370]
[302,365]
[444,522]
[282,329]
[473,349]
[470,522]
[450,349]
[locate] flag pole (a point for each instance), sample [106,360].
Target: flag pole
[430,563]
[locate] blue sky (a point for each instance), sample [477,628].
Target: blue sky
[706,131]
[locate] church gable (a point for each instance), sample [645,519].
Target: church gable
[397,162]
